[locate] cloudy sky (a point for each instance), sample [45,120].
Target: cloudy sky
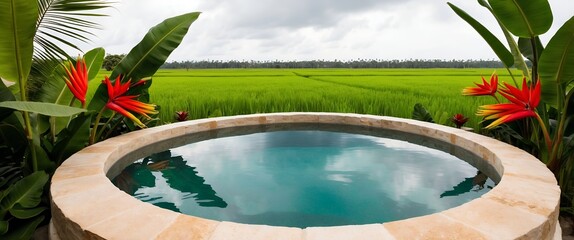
[311,29]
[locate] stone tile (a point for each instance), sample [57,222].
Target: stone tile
[530,195]
[85,158]
[74,171]
[102,147]
[497,220]
[393,125]
[473,144]
[143,221]
[87,210]
[64,187]
[189,228]
[236,231]
[240,121]
[523,165]
[351,232]
[435,226]
[65,227]
[372,121]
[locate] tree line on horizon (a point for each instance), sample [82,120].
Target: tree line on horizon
[358,63]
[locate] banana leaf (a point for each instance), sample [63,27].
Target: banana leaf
[149,54]
[420,113]
[26,192]
[499,49]
[48,109]
[555,66]
[17,29]
[523,18]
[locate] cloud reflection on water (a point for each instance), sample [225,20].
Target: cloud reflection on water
[319,178]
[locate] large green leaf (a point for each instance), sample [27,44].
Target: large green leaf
[556,64]
[26,192]
[420,113]
[17,24]
[149,54]
[154,49]
[23,230]
[73,138]
[48,109]
[525,45]
[24,213]
[43,161]
[523,18]
[499,49]
[519,62]
[94,60]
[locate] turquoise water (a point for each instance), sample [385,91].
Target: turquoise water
[304,178]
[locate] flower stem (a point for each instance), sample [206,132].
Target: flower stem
[545,132]
[95,128]
[554,163]
[99,135]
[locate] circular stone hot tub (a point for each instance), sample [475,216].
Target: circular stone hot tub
[86,205]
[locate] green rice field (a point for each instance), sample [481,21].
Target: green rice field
[390,92]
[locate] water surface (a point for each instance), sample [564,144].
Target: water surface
[304,178]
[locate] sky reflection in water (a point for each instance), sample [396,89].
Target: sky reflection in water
[304,178]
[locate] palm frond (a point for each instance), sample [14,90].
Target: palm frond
[61,23]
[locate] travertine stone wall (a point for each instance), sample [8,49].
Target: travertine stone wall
[86,205]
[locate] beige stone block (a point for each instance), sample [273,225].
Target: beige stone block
[87,210]
[521,164]
[236,231]
[64,187]
[143,221]
[433,226]
[79,170]
[65,227]
[371,121]
[235,121]
[105,150]
[351,232]
[392,125]
[530,195]
[478,146]
[189,228]
[85,158]
[497,220]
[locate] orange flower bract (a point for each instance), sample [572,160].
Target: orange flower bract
[483,89]
[125,104]
[77,79]
[522,104]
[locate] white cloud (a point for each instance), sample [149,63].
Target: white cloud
[322,29]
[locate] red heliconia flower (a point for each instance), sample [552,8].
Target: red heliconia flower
[77,79]
[181,116]
[483,89]
[459,120]
[522,104]
[124,104]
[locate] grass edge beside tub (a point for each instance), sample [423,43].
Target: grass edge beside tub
[86,205]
